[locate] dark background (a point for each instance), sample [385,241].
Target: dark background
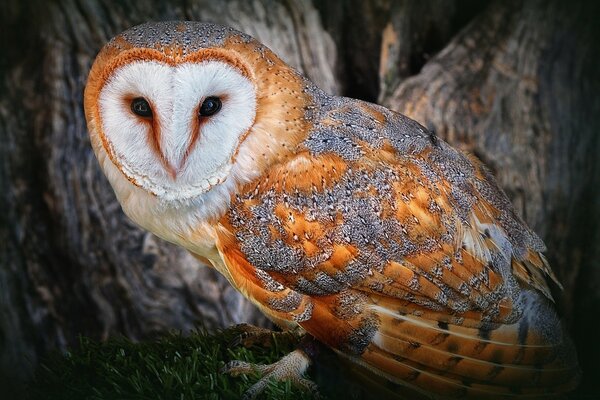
[515,82]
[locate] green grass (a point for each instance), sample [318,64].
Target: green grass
[173,367]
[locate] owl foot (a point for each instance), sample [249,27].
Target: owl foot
[292,367]
[250,335]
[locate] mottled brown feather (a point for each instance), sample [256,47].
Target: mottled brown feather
[446,315]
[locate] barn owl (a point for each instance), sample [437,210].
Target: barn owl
[336,217]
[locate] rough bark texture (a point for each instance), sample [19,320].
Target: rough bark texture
[514,82]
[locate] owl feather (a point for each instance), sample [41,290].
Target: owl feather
[336,216]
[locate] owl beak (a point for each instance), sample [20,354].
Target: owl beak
[174,156]
[172,171]
[175,170]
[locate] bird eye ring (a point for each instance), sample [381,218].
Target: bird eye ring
[210,106]
[141,107]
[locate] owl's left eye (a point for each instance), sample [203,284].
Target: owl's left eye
[210,106]
[141,107]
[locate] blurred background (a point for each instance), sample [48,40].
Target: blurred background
[514,82]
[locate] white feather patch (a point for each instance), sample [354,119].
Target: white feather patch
[175,94]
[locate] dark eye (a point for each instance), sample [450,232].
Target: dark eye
[141,107]
[210,106]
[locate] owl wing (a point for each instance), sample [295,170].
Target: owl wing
[404,257]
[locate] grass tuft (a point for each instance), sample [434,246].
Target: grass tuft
[173,367]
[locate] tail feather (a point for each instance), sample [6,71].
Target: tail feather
[448,385]
[469,367]
[420,377]
[445,359]
[456,360]
[463,341]
[466,325]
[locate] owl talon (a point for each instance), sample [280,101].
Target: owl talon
[291,366]
[238,367]
[251,335]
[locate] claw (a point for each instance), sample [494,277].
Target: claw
[251,335]
[238,367]
[292,367]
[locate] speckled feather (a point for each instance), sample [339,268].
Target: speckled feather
[360,226]
[398,250]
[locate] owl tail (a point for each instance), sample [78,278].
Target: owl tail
[530,359]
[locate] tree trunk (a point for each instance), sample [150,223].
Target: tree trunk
[514,82]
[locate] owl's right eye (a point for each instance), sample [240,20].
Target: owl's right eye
[141,107]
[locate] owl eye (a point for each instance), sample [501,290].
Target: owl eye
[141,107]
[210,106]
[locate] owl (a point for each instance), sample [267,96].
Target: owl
[338,218]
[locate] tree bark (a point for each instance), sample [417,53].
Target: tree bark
[514,82]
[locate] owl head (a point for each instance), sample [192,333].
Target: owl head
[181,113]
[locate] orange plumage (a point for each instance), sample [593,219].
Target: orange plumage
[428,300]
[357,225]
